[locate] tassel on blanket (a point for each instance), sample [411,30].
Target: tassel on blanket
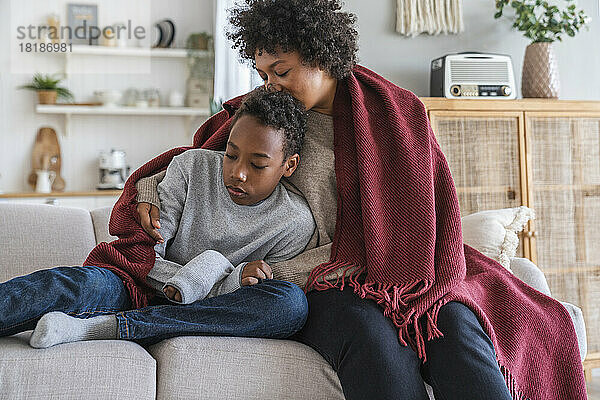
[139,299]
[393,299]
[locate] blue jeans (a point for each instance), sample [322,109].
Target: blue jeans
[271,309]
[361,345]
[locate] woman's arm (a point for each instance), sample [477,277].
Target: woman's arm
[296,270]
[148,206]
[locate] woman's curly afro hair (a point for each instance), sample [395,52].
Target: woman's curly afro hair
[318,30]
[278,110]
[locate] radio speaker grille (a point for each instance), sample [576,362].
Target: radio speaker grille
[482,72]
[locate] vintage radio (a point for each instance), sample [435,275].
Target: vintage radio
[473,76]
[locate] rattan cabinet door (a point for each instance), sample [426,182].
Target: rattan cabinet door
[564,190]
[484,153]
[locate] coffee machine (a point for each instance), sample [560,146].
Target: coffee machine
[113,169]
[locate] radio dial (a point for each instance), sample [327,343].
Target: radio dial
[505,90]
[455,90]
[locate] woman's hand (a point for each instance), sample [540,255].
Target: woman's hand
[149,218]
[255,270]
[172,293]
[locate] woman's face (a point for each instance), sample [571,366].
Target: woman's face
[314,87]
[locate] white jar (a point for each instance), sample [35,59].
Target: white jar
[176,99]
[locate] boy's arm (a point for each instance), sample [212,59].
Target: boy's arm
[297,237]
[175,184]
[208,274]
[195,279]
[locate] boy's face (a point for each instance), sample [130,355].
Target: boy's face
[253,162]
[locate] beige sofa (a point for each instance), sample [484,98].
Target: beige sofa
[39,236]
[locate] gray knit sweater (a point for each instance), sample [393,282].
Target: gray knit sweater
[315,180]
[209,238]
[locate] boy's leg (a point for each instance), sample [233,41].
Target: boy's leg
[271,309]
[78,291]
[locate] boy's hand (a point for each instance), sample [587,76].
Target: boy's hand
[255,270]
[172,293]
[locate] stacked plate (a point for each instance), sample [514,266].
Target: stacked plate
[163,34]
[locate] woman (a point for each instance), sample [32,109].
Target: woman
[388,232]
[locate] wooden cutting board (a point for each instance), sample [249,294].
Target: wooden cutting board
[46,155]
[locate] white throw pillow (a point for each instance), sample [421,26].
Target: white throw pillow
[494,232]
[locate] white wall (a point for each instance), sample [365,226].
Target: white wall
[402,60]
[406,61]
[141,138]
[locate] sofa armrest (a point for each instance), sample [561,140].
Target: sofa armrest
[579,324]
[100,219]
[38,236]
[529,273]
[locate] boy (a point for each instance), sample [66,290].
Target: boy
[226,216]
[224,210]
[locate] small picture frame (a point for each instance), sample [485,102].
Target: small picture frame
[81,18]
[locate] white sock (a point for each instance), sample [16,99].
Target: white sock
[57,327]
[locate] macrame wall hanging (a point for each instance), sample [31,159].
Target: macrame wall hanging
[429,16]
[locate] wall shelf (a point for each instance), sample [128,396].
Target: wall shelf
[168,53]
[68,110]
[118,110]
[74,51]
[132,52]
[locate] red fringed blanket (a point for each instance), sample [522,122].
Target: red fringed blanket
[398,221]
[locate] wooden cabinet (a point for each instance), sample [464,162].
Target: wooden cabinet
[564,188]
[483,152]
[544,154]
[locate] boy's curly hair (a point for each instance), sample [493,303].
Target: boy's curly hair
[279,110]
[318,30]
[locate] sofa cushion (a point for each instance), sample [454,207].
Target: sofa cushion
[494,232]
[36,236]
[211,367]
[101,369]
[100,218]
[529,273]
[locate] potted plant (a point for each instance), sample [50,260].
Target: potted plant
[543,23]
[47,88]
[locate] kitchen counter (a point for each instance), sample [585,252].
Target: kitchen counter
[88,200]
[93,193]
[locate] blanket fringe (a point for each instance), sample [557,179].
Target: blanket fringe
[413,328]
[138,298]
[511,383]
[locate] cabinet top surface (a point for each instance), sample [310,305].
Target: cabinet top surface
[441,103]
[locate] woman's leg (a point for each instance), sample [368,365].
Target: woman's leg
[462,364]
[361,345]
[78,291]
[271,309]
